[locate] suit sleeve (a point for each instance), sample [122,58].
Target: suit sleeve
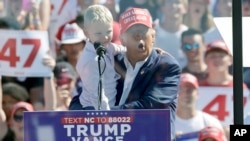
[161,90]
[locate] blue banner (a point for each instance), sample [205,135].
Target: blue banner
[125,125]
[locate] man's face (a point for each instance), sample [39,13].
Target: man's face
[139,41]
[193,47]
[73,51]
[173,9]
[197,8]
[100,32]
[218,61]
[188,94]
[246,8]
[224,8]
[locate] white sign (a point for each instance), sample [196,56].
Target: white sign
[21,53]
[218,101]
[224,25]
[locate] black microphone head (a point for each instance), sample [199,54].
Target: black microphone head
[97,44]
[100,49]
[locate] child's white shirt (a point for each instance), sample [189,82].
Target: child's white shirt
[87,68]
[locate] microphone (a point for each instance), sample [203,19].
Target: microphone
[100,49]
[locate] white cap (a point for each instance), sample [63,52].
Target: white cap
[72,33]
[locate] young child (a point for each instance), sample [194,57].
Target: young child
[98,27]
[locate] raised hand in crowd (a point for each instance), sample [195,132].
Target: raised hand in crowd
[31,14]
[58,88]
[48,86]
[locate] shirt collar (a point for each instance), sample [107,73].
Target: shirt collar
[137,65]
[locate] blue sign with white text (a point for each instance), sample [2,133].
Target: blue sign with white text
[125,125]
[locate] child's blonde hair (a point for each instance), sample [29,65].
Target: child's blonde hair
[97,13]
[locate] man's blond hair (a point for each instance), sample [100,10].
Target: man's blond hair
[97,13]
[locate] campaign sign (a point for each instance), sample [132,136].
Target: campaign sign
[218,101]
[22,52]
[125,125]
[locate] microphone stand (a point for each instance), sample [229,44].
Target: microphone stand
[100,51]
[100,82]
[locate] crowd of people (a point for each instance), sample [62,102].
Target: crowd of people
[158,61]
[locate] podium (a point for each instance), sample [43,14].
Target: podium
[118,125]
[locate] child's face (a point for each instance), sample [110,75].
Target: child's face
[99,32]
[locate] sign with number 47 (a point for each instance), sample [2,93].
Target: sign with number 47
[21,53]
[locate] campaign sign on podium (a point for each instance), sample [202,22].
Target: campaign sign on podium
[125,125]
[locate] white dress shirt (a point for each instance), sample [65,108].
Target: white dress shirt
[129,78]
[87,68]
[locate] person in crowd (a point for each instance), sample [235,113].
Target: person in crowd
[31,14]
[59,87]
[113,6]
[6,133]
[84,4]
[222,8]
[169,28]
[17,119]
[12,93]
[211,133]
[72,44]
[98,27]
[190,120]
[198,16]
[246,8]
[151,5]
[62,13]
[194,48]
[218,59]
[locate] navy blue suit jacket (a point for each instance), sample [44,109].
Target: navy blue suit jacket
[155,86]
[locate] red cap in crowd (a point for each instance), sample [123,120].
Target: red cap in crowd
[134,16]
[212,132]
[217,45]
[19,105]
[189,78]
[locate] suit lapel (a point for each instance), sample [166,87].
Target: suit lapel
[149,65]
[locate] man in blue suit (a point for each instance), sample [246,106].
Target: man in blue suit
[149,79]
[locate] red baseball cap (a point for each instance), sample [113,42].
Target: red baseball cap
[19,105]
[134,16]
[217,45]
[212,132]
[189,78]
